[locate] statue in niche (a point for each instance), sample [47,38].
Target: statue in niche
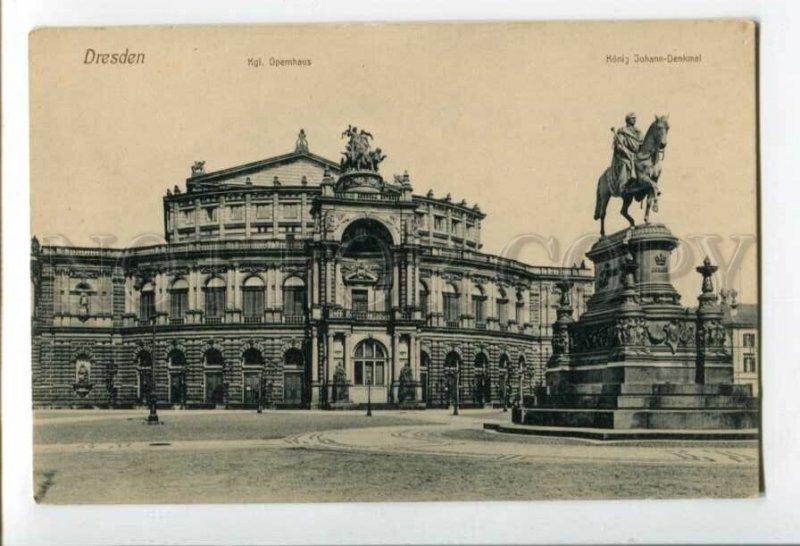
[341,389]
[405,391]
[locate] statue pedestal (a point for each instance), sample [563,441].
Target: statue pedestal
[637,359]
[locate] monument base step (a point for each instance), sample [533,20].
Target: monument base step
[630,434]
[626,419]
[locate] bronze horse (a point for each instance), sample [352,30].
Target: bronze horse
[644,186]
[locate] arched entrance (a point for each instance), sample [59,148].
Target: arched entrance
[213,363]
[481,390]
[252,369]
[176,365]
[295,393]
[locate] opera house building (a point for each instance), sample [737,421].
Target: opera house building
[296,282]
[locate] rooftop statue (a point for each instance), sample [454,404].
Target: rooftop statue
[635,169]
[358,154]
[301,146]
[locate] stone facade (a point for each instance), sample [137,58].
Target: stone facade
[282,279]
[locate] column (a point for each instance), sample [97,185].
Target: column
[197,216]
[221,216]
[395,282]
[248,214]
[329,357]
[302,214]
[346,361]
[314,367]
[275,215]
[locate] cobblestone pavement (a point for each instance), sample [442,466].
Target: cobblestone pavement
[422,443]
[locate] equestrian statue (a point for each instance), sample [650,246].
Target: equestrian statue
[635,169]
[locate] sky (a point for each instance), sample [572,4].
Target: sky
[514,117]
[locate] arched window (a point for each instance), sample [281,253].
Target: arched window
[213,358]
[504,362]
[293,358]
[147,302]
[176,359]
[423,299]
[502,307]
[178,300]
[369,360]
[252,357]
[478,299]
[294,298]
[450,301]
[253,299]
[215,290]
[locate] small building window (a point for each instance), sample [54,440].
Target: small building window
[438,223]
[291,211]
[215,298]
[147,302]
[264,211]
[749,364]
[211,214]
[178,299]
[450,303]
[749,340]
[236,213]
[360,302]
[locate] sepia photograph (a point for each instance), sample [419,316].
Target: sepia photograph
[401,262]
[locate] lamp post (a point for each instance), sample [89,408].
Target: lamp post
[152,418]
[261,389]
[455,399]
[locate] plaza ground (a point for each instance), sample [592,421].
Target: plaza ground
[97,456]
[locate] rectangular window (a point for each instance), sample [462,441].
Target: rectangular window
[360,301]
[749,340]
[423,303]
[502,311]
[438,223]
[359,373]
[211,214]
[147,305]
[178,303]
[187,217]
[291,211]
[264,211]
[456,228]
[215,302]
[750,364]
[236,213]
[294,301]
[451,312]
[477,309]
[378,374]
[253,299]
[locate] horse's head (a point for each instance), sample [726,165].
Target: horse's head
[658,132]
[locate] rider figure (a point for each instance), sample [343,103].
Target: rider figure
[627,141]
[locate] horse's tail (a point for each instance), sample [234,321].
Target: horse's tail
[598,204]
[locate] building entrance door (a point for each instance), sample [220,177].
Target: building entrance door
[251,380]
[176,381]
[214,391]
[145,380]
[293,388]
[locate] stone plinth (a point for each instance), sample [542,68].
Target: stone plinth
[638,359]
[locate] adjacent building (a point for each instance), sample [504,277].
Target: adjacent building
[741,322]
[295,281]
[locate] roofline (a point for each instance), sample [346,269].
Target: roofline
[255,165]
